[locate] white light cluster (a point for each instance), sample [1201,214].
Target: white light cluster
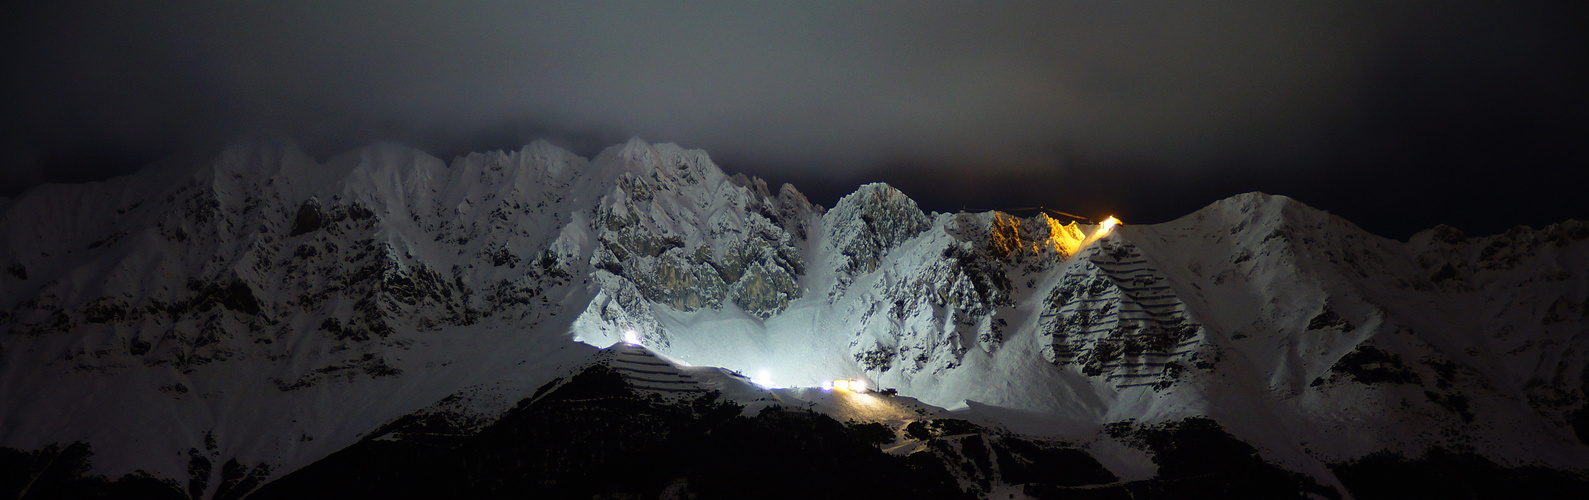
[852,385]
[630,337]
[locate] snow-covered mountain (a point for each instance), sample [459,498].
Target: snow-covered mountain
[216,327]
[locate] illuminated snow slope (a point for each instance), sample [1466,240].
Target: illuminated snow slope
[272,309]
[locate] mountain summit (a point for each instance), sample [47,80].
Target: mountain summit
[207,331]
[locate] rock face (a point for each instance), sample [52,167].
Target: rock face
[211,328]
[867,224]
[675,231]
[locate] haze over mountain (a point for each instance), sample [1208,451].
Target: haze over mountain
[1398,116]
[273,324]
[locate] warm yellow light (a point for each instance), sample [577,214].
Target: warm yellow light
[852,385]
[1107,225]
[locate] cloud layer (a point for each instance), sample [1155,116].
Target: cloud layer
[1163,97]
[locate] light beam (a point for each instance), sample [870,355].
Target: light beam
[1107,225]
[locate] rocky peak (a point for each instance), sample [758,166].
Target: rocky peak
[380,281]
[866,224]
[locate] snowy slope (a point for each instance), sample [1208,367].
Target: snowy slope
[271,309]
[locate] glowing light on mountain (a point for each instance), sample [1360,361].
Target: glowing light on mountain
[630,337]
[857,386]
[763,378]
[1107,225]
[1065,239]
[1103,230]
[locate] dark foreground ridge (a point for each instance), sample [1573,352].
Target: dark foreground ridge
[592,435]
[595,437]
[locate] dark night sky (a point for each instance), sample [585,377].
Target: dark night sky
[1397,117]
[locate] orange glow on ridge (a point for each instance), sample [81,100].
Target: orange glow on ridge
[1107,225]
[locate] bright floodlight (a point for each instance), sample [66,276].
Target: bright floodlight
[1107,225]
[845,384]
[763,378]
[630,337]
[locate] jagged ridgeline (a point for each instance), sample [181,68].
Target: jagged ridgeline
[272,323]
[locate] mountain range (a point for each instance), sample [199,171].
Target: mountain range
[641,324]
